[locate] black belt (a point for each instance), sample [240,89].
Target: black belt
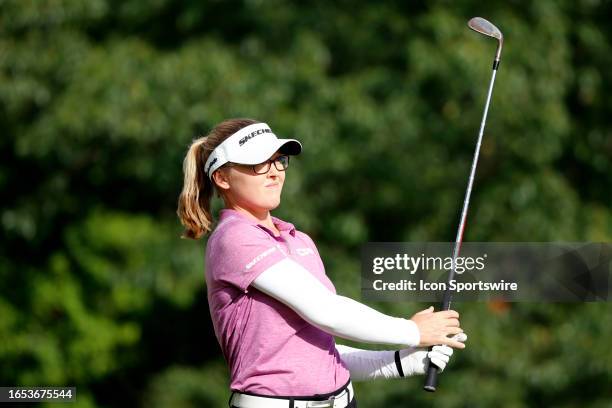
[339,398]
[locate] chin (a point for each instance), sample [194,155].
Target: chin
[272,204]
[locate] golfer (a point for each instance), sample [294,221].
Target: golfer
[274,310]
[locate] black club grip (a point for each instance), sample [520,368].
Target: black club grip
[431,382]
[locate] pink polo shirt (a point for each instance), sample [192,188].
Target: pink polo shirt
[269,348]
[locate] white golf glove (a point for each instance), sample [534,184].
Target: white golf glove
[416,360]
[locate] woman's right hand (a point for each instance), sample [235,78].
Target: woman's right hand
[435,327]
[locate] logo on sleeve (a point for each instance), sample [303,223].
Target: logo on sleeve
[304,251]
[259,257]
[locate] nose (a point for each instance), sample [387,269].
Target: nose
[273,172]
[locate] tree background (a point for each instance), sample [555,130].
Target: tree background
[99,100]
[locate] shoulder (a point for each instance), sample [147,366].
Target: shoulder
[233,232]
[304,237]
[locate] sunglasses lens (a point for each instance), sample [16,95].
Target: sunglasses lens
[284,162]
[262,168]
[281,163]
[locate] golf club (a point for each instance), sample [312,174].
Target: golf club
[483,27]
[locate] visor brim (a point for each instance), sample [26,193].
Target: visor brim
[285,146]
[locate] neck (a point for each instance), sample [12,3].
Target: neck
[262,217]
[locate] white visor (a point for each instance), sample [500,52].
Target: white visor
[253,144]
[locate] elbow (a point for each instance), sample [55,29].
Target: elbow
[325,316]
[329,325]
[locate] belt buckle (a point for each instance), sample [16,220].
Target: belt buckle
[328,403]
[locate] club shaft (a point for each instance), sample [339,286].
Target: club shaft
[432,372]
[468,192]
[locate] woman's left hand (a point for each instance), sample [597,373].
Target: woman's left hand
[416,360]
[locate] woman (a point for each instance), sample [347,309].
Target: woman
[274,311]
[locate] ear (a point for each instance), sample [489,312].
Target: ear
[221,179]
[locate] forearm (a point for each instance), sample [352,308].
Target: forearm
[349,319]
[291,284]
[367,365]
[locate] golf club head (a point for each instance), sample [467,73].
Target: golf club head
[487,28]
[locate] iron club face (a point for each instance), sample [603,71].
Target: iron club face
[487,28]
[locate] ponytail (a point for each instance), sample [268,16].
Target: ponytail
[194,201]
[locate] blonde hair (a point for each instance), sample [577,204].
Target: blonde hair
[194,201]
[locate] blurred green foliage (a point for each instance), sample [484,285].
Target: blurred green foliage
[99,100]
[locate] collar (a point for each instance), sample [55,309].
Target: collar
[280,224]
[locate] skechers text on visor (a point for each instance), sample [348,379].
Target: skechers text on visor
[253,144]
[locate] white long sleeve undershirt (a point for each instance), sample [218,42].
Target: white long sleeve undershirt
[291,284]
[367,365]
